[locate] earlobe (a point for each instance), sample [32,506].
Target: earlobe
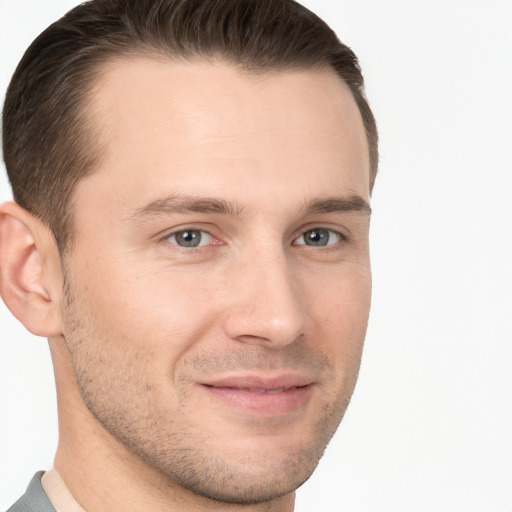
[26,255]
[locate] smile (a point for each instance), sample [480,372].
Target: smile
[261,391]
[268,391]
[265,397]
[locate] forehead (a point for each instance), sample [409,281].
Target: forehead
[201,81]
[205,124]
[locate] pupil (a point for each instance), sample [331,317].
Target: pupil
[188,238]
[317,237]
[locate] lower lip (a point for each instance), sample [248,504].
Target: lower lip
[262,404]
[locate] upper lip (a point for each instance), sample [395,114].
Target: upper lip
[260,382]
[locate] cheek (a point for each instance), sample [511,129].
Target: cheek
[341,315]
[153,314]
[341,300]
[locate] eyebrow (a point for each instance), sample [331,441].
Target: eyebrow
[179,204]
[188,204]
[352,203]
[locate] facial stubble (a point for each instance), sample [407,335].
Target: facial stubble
[122,395]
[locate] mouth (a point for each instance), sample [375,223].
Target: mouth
[260,391]
[261,396]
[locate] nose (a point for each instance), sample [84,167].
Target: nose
[265,303]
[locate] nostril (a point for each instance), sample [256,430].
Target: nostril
[266,308]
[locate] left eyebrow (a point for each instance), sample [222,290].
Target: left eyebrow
[352,203]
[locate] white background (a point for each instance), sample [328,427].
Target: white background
[430,424]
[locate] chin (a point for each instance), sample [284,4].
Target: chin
[250,482]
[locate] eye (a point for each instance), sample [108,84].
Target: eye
[190,238]
[319,237]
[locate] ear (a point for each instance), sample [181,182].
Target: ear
[30,271]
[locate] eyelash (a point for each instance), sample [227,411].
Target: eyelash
[174,234]
[320,230]
[340,237]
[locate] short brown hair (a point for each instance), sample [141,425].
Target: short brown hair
[49,143]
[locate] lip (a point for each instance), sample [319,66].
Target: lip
[259,395]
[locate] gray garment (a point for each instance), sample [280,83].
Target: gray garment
[35,499]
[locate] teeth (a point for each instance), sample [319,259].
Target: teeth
[274,391]
[261,391]
[266,391]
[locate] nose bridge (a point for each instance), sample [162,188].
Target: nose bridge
[266,306]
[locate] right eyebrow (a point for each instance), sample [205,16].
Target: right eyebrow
[185,204]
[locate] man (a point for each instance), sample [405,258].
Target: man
[190,231]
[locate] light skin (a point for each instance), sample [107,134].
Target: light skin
[207,328]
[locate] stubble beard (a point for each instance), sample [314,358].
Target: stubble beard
[120,396]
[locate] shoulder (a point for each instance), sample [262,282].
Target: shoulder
[34,499]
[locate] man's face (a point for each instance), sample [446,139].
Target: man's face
[218,288]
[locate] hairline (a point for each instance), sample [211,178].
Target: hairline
[93,131]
